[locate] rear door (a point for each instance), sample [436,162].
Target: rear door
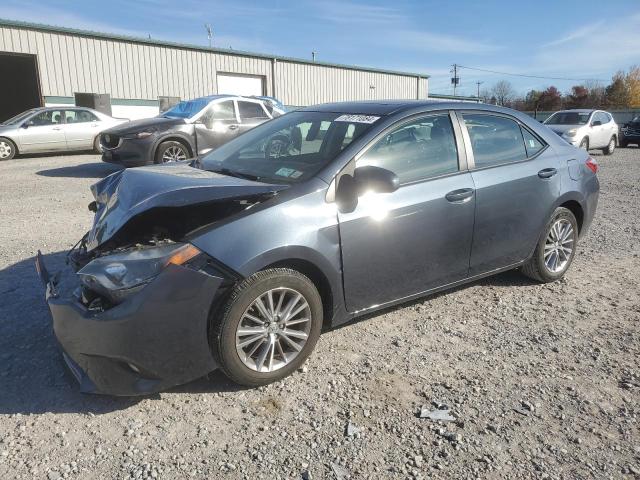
[217,125]
[80,129]
[417,238]
[43,132]
[517,181]
[251,115]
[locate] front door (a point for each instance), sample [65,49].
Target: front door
[43,132]
[419,237]
[517,181]
[217,126]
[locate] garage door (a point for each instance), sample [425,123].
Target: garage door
[233,84]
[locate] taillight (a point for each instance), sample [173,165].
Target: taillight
[592,165]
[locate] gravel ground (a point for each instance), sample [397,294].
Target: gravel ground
[542,381]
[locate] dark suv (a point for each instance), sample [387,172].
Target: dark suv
[201,124]
[630,132]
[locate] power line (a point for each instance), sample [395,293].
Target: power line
[531,76]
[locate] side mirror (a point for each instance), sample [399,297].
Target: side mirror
[375,179]
[596,123]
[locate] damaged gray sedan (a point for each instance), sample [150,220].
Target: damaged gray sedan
[240,259]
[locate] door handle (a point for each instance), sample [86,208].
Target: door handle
[56,128]
[233,127]
[547,172]
[459,196]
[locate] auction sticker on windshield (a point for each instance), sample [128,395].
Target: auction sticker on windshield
[357,118]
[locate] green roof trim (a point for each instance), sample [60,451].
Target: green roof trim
[148,41]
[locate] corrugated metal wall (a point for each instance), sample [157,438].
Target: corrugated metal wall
[71,63]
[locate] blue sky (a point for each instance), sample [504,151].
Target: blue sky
[574,39]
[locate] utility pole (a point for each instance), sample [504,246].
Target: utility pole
[313,56]
[478,84]
[207,27]
[455,80]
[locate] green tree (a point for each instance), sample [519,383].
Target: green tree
[617,93]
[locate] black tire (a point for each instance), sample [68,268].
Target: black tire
[8,149]
[96,145]
[535,267]
[224,325]
[610,148]
[584,144]
[623,144]
[171,146]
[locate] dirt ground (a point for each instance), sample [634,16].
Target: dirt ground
[543,380]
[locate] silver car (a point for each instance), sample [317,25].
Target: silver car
[586,129]
[53,129]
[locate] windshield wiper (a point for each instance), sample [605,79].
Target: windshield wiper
[233,173]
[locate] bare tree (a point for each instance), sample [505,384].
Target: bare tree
[503,92]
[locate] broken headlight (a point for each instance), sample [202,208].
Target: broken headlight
[119,275]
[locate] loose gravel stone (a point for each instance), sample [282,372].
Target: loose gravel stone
[542,379]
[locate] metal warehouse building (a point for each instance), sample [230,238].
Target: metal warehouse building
[45,65]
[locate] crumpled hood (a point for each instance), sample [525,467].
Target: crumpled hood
[135,126]
[125,194]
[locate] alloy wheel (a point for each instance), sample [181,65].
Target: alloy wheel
[559,246]
[612,145]
[173,154]
[5,150]
[273,330]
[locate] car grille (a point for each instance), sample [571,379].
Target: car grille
[108,140]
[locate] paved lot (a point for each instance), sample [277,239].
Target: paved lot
[543,380]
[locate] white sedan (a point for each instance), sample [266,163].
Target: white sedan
[53,129]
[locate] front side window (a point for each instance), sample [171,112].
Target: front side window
[288,149]
[222,111]
[601,117]
[79,116]
[494,140]
[249,110]
[48,117]
[417,150]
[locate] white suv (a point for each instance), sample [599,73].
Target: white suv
[586,129]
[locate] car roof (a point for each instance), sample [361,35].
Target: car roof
[389,107]
[577,110]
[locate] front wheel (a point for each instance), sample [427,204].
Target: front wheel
[7,149]
[268,327]
[97,147]
[171,151]
[610,147]
[555,249]
[584,144]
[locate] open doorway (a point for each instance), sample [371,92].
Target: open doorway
[19,84]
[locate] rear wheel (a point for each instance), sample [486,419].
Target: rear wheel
[555,249]
[610,147]
[7,149]
[584,144]
[171,151]
[268,327]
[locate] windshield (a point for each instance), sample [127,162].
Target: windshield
[568,118]
[636,119]
[19,118]
[187,109]
[289,149]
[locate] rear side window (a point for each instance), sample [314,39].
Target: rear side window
[531,143]
[79,116]
[417,150]
[251,110]
[494,140]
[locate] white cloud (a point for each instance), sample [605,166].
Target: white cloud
[592,51]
